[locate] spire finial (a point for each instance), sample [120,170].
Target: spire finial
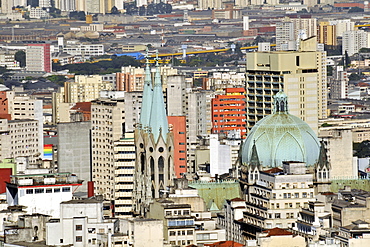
[147,56]
[156,58]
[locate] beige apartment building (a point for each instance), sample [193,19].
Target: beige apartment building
[300,74]
[275,196]
[107,123]
[85,88]
[19,138]
[131,79]
[124,165]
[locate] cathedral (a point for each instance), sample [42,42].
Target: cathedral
[154,168]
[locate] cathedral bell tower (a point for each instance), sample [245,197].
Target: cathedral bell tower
[154,168]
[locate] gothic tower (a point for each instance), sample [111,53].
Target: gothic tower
[322,171]
[154,170]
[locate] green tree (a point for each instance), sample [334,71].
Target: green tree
[355,9]
[354,77]
[20,56]
[114,11]
[362,150]
[77,15]
[58,79]
[329,70]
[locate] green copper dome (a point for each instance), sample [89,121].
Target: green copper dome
[281,137]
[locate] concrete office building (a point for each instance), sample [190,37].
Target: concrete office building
[13,142]
[302,76]
[353,41]
[38,57]
[41,193]
[74,150]
[288,30]
[81,223]
[107,124]
[343,26]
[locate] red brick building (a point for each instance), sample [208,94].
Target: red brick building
[228,112]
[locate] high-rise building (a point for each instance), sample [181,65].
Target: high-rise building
[18,139]
[327,33]
[85,88]
[228,112]
[178,124]
[124,165]
[154,170]
[285,38]
[290,28]
[343,26]
[22,107]
[74,150]
[38,57]
[353,41]
[339,84]
[108,125]
[7,6]
[302,76]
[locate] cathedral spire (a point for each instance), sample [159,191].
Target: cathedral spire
[323,158]
[147,95]
[158,117]
[254,161]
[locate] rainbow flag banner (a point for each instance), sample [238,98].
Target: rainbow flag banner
[48,152]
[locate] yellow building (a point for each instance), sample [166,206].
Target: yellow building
[327,33]
[300,74]
[85,88]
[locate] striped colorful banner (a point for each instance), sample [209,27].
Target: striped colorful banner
[48,152]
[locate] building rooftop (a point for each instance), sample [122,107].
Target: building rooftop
[277,232]
[45,179]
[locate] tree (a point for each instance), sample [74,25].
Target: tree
[114,11]
[354,77]
[20,56]
[258,39]
[347,59]
[362,150]
[329,70]
[77,15]
[58,79]
[355,9]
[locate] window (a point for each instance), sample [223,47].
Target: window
[172,233]
[29,191]
[56,190]
[78,227]
[78,238]
[186,212]
[168,213]
[49,190]
[296,195]
[304,195]
[189,232]
[39,191]
[61,240]
[183,232]
[277,216]
[66,189]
